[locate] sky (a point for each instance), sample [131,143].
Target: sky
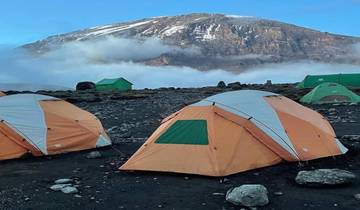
[24,21]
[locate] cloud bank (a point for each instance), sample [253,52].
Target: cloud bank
[356,49]
[113,57]
[113,49]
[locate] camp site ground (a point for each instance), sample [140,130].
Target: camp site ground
[102,186]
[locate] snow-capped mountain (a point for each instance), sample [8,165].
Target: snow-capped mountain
[224,41]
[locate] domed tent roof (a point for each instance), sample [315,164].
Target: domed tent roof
[348,80]
[233,132]
[43,125]
[330,93]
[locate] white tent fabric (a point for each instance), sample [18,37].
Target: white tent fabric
[23,113]
[102,142]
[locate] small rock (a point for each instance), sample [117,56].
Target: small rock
[278,193]
[63,181]
[249,195]
[110,130]
[93,155]
[69,190]
[357,196]
[218,194]
[353,138]
[77,196]
[58,187]
[324,177]
[225,180]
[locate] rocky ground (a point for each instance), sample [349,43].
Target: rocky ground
[130,118]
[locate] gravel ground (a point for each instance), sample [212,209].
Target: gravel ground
[130,118]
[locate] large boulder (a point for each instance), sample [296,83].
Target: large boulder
[221,84]
[249,195]
[85,86]
[235,85]
[324,177]
[268,82]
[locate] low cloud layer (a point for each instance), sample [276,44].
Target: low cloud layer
[356,50]
[113,49]
[85,61]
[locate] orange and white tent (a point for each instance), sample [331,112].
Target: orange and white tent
[43,125]
[233,132]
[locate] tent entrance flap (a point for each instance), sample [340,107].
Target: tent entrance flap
[185,132]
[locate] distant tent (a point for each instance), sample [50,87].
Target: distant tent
[2,94]
[236,131]
[43,125]
[330,93]
[114,84]
[348,80]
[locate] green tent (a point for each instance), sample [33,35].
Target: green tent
[114,84]
[330,93]
[348,80]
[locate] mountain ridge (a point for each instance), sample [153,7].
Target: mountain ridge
[224,41]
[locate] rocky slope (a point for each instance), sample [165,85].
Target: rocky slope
[227,42]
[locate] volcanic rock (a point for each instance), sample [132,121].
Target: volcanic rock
[249,195]
[85,86]
[324,177]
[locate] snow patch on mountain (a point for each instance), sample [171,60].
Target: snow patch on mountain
[206,34]
[172,30]
[238,16]
[101,27]
[110,30]
[209,33]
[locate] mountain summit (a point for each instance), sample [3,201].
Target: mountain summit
[228,42]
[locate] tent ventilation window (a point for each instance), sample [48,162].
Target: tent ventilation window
[185,132]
